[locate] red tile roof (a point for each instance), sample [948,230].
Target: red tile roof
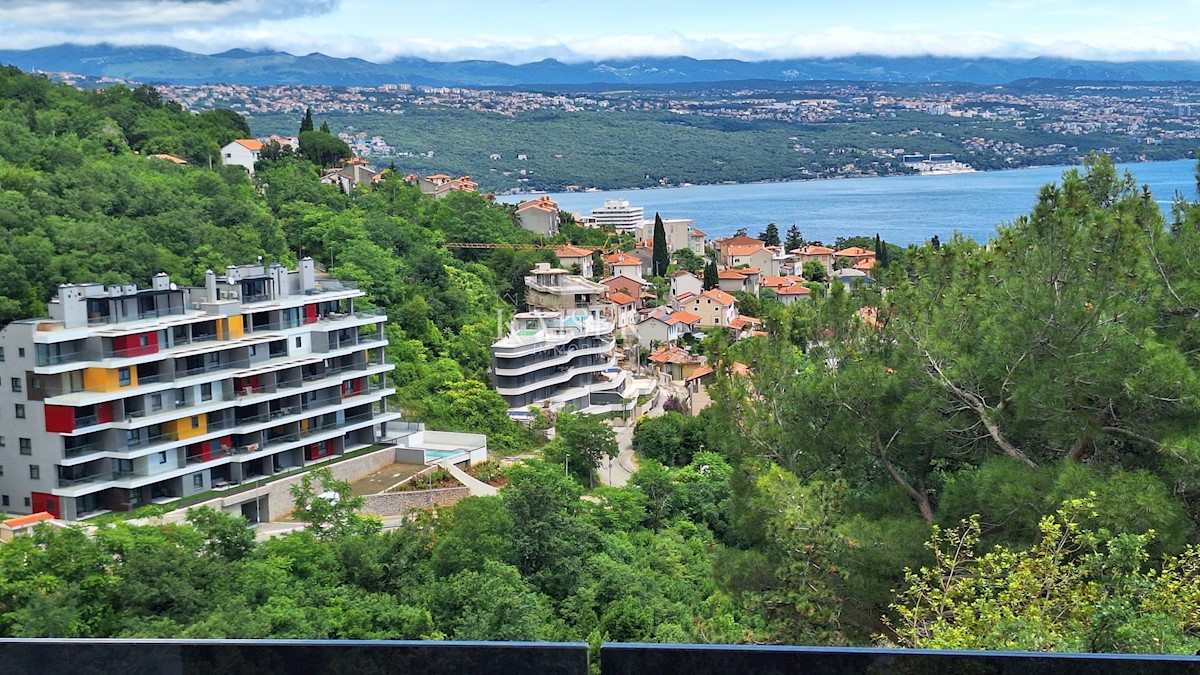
[812,250]
[22,521]
[622,259]
[620,298]
[854,252]
[573,252]
[716,295]
[250,144]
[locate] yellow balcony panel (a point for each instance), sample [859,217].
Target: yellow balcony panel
[187,427]
[108,379]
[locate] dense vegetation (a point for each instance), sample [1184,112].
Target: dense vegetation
[627,149]
[999,452]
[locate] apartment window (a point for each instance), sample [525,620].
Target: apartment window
[144,340]
[297,341]
[214,358]
[206,391]
[21,352]
[19,411]
[198,480]
[27,502]
[1,353]
[35,472]
[1,441]
[124,377]
[195,421]
[16,385]
[1,469]
[162,457]
[26,446]
[156,402]
[253,350]
[3,500]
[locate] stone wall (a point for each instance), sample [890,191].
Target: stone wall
[399,503]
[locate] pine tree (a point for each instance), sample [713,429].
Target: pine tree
[325,128]
[770,236]
[307,123]
[710,275]
[794,239]
[878,244]
[882,255]
[660,258]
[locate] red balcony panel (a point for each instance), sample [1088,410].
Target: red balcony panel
[60,419]
[44,501]
[104,412]
[310,313]
[136,345]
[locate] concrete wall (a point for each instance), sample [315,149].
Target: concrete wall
[399,503]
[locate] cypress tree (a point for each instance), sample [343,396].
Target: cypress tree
[770,236]
[325,128]
[307,123]
[710,275]
[660,259]
[794,239]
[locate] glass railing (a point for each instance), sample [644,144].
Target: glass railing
[147,441]
[151,378]
[256,297]
[131,352]
[58,359]
[254,419]
[82,480]
[80,450]
[86,421]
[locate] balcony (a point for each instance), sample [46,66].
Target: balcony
[83,480]
[81,450]
[59,359]
[140,442]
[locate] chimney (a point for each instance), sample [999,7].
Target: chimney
[210,286]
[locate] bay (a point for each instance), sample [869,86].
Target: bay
[901,209]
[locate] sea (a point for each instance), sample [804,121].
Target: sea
[901,209]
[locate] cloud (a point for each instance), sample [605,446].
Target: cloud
[97,16]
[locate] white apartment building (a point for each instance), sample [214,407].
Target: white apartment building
[560,353]
[619,214]
[243,152]
[125,396]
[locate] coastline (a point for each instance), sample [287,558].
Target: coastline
[775,181]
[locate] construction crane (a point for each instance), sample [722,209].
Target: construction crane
[606,248]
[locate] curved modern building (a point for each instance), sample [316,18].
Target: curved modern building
[561,352]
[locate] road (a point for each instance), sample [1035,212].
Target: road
[617,473]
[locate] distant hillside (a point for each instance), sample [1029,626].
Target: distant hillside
[166,64]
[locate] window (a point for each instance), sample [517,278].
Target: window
[214,359]
[16,385]
[26,446]
[253,350]
[1,441]
[1,353]
[195,421]
[124,377]
[27,501]
[298,341]
[198,480]
[3,500]
[19,411]
[1,469]
[162,457]
[143,340]
[35,472]
[156,402]
[21,352]
[206,391]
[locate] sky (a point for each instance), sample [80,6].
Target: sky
[521,31]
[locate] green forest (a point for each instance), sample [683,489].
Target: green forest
[628,149]
[1001,451]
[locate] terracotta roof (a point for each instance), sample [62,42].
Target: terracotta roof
[542,203]
[812,250]
[696,233]
[251,144]
[684,317]
[797,289]
[620,298]
[438,176]
[740,240]
[683,273]
[777,282]
[746,249]
[685,297]
[169,158]
[573,252]
[740,322]
[749,270]
[22,521]
[672,354]
[854,252]
[740,369]
[700,372]
[865,264]
[623,259]
[716,295]
[731,274]
[639,281]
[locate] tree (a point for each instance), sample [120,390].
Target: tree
[770,236]
[1076,590]
[661,257]
[689,261]
[332,512]
[794,239]
[306,124]
[322,149]
[325,128]
[586,439]
[711,280]
[814,270]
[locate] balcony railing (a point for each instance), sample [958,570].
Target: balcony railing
[147,441]
[81,450]
[82,480]
[253,419]
[59,359]
[86,420]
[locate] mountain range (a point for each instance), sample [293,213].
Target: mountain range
[157,64]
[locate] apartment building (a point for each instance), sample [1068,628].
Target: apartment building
[125,396]
[619,214]
[561,352]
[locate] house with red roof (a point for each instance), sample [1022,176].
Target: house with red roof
[714,307]
[243,152]
[624,264]
[685,282]
[570,256]
[622,310]
[627,285]
[540,216]
[807,254]
[675,362]
[664,325]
